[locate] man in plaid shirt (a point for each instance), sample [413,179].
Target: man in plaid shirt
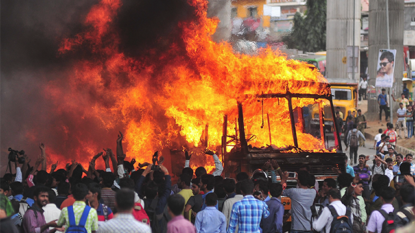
[248,212]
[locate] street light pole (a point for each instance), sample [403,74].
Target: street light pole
[388,42]
[353,60]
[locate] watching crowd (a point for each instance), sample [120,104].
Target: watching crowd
[126,198]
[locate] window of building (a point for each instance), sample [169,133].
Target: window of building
[252,11]
[234,12]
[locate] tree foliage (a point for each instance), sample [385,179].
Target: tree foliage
[309,31]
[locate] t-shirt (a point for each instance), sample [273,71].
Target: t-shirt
[392,135]
[401,111]
[378,137]
[389,173]
[108,196]
[301,200]
[363,84]
[363,174]
[411,118]
[186,194]
[382,99]
[196,203]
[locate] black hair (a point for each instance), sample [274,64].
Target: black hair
[305,166]
[344,180]
[388,160]
[383,136]
[86,181]
[63,188]
[275,189]
[410,155]
[127,183]
[405,168]
[263,185]
[388,55]
[209,180]
[186,178]
[8,177]
[41,177]
[331,183]
[108,179]
[242,176]
[238,188]
[229,185]
[58,177]
[40,189]
[5,186]
[406,192]
[211,199]
[176,204]
[158,175]
[188,170]
[220,191]
[383,89]
[17,188]
[258,176]
[124,199]
[334,193]
[95,188]
[354,126]
[360,156]
[399,155]
[380,130]
[151,190]
[359,110]
[247,187]
[218,180]
[136,175]
[79,191]
[52,196]
[388,193]
[304,178]
[200,171]
[196,181]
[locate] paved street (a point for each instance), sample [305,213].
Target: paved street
[368,150]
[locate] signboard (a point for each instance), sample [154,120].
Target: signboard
[273,11]
[409,38]
[385,68]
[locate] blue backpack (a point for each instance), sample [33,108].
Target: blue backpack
[73,228]
[341,224]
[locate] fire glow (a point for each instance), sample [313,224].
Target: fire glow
[160,108]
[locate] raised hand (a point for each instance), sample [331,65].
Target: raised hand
[120,137]
[133,162]
[187,155]
[55,165]
[97,155]
[42,147]
[164,169]
[209,152]
[144,164]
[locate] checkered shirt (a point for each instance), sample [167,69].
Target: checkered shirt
[125,223]
[78,209]
[247,214]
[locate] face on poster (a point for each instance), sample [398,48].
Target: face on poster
[385,68]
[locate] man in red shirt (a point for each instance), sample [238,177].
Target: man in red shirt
[393,139]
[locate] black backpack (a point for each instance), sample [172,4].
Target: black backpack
[400,220]
[341,224]
[389,225]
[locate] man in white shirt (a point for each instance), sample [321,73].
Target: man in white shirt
[228,204]
[400,123]
[363,88]
[51,211]
[389,169]
[326,217]
[377,138]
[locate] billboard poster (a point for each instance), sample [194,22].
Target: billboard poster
[385,68]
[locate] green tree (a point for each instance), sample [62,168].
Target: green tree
[309,31]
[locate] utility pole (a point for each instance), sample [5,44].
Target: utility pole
[354,42]
[389,47]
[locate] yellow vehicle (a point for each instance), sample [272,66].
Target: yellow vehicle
[344,97]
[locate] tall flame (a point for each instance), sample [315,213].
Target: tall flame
[159,107]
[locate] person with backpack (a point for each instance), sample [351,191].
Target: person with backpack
[382,220]
[94,195]
[335,217]
[34,220]
[124,220]
[351,197]
[79,217]
[391,133]
[405,214]
[353,142]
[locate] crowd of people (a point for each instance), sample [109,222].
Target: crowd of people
[129,198]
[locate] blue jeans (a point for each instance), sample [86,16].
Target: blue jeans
[410,127]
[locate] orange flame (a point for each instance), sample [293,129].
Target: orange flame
[192,91]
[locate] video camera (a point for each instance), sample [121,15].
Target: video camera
[14,153]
